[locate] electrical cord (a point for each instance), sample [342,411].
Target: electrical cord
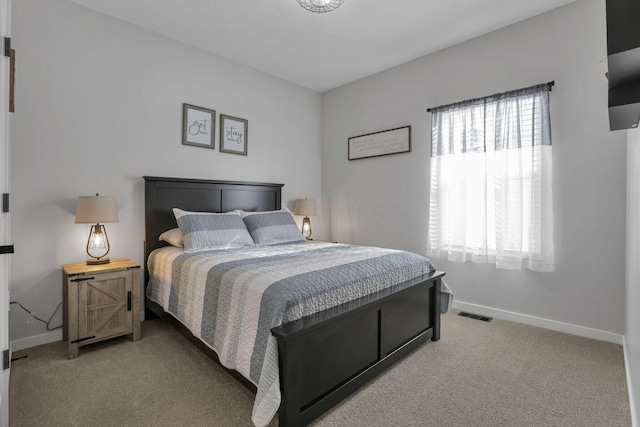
[39,319]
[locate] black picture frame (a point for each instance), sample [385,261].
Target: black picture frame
[383,143]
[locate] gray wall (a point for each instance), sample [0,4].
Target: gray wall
[384,201]
[99,105]
[632,335]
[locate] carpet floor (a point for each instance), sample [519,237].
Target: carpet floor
[498,373]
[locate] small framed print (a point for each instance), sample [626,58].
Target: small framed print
[233,135]
[198,126]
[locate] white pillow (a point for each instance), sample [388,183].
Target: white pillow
[173,237]
[204,231]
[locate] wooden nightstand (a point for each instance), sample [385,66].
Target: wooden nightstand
[100,302]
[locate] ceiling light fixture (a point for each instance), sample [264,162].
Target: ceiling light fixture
[320,6]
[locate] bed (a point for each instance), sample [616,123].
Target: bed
[323,357]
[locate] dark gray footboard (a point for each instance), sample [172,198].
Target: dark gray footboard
[327,356]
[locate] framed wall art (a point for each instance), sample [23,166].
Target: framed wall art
[233,135]
[384,143]
[198,126]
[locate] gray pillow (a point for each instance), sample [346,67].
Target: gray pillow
[204,231]
[272,227]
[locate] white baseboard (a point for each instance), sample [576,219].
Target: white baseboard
[568,328]
[47,338]
[632,404]
[554,325]
[35,340]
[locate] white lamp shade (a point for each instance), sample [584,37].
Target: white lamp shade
[96,209]
[305,207]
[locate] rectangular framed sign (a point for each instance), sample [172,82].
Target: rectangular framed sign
[384,143]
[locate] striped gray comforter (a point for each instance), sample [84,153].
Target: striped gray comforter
[230,299]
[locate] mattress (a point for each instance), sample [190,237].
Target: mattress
[231,299]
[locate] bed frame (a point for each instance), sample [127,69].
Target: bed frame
[324,357]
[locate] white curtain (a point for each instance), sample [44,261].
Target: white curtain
[491,166]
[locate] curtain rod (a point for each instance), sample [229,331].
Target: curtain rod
[550,84]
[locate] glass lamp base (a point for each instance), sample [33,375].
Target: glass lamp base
[306,227]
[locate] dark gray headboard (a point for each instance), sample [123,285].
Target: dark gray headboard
[199,195]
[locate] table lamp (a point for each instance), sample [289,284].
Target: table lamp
[96,210]
[305,207]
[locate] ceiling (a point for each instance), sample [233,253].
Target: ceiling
[321,51]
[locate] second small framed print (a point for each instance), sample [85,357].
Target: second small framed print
[233,135]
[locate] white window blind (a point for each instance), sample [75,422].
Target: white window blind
[491,166]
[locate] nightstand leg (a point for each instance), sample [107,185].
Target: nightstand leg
[65,307]
[73,351]
[72,320]
[136,303]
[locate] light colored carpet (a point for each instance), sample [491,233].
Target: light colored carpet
[479,374]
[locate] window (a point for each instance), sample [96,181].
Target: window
[491,196]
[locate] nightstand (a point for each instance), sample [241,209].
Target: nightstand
[100,302]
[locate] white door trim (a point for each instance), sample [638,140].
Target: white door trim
[5,232]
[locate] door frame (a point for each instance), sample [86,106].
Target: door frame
[5,230]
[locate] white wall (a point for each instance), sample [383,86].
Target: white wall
[384,201]
[632,335]
[99,105]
